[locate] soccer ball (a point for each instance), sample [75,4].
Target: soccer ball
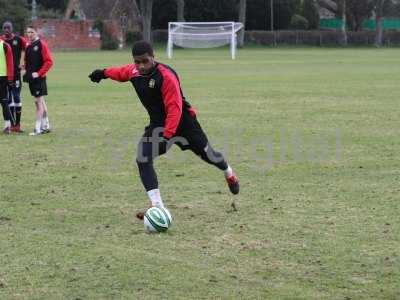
[157,219]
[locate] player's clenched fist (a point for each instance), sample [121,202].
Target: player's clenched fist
[97,75]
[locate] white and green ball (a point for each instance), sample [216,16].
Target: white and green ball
[157,219]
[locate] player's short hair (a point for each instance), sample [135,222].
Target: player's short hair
[31,26]
[7,24]
[142,47]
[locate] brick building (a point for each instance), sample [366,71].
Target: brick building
[76,30]
[69,34]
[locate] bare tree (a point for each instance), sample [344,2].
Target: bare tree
[342,11]
[357,11]
[180,5]
[73,8]
[125,12]
[379,22]
[146,9]
[242,19]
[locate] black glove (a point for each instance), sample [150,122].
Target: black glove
[97,75]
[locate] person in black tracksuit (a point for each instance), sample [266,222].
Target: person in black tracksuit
[38,62]
[172,119]
[18,45]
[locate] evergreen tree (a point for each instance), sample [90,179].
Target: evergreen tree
[15,11]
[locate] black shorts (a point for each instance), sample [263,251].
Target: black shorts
[38,87]
[190,136]
[3,88]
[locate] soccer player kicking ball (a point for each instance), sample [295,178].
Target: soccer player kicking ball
[172,118]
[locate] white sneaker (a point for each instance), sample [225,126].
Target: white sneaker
[45,130]
[34,133]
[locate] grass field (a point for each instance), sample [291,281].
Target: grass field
[312,133]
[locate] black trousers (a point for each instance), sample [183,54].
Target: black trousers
[190,136]
[4,98]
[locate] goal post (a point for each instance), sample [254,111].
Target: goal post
[203,35]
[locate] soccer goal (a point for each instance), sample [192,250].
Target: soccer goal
[202,35]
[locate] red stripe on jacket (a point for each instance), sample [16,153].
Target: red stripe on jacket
[122,73]
[172,98]
[24,42]
[9,61]
[47,60]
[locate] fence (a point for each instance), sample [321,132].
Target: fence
[387,24]
[307,37]
[320,38]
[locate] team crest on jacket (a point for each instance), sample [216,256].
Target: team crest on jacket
[15,42]
[36,48]
[152,83]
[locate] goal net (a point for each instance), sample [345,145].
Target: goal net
[202,35]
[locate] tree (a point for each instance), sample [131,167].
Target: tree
[72,10]
[378,21]
[383,8]
[342,11]
[299,23]
[310,12]
[283,12]
[330,5]
[338,7]
[15,11]
[357,12]
[164,11]
[59,5]
[211,10]
[259,14]
[242,19]
[146,10]
[180,15]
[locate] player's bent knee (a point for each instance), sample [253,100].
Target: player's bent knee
[39,100]
[143,161]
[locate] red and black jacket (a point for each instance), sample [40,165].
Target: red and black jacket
[17,44]
[160,93]
[38,58]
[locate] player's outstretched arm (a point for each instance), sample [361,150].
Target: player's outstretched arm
[120,74]
[97,75]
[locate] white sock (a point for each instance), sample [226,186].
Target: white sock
[228,172]
[37,126]
[45,124]
[155,198]
[7,124]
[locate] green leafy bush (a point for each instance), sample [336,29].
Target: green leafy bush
[298,22]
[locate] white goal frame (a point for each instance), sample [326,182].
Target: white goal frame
[229,34]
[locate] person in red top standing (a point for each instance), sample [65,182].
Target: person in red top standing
[172,119]
[38,62]
[6,80]
[18,45]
